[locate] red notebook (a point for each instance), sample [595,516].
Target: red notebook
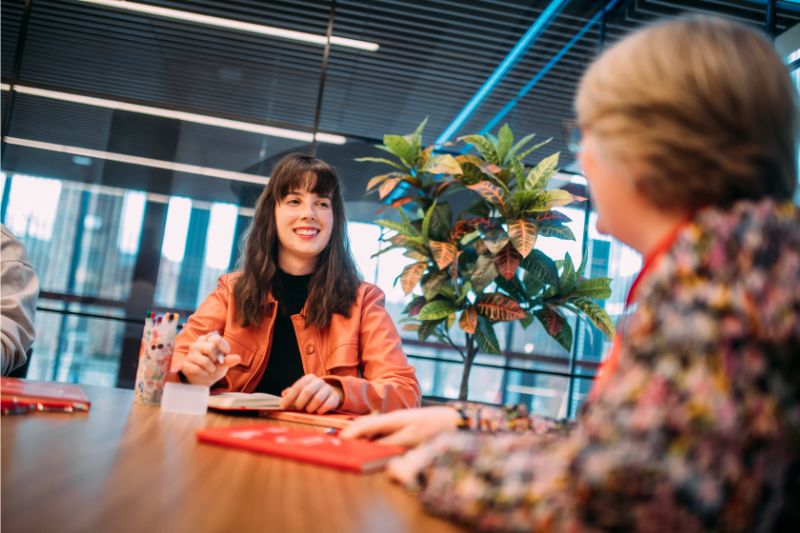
[42,396]
[303,445]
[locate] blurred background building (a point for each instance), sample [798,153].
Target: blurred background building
[137,135]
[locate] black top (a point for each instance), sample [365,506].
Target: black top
[285,366]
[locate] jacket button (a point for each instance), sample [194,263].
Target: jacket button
[309,349]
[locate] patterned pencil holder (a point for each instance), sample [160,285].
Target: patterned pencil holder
[155,357]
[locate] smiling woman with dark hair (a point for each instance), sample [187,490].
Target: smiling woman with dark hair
[297,321]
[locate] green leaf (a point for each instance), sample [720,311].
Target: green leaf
[479,209]
[520,144]
[380,160]
[399,227]
[559,232]
[517,169]
[556,326]
[533,284]
[484,273]
[400,147]
[584,261]
[542,267]
[527,321]
[569,278]
[505,139]
[427,328]
[512,286]
[426,222]
[440,222]
[524,154]
[540,174]
[437,309]
[416,137]
[598,288]
[486,338]
[596,314]
[484,146]
[431,287]
[495,238]
[553,198]
[443,164]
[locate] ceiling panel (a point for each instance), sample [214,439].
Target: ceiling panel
[433,57]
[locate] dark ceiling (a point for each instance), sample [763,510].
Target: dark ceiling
[433,57]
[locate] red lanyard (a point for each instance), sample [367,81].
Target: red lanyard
[608,366]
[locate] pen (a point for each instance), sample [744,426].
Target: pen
[220,357]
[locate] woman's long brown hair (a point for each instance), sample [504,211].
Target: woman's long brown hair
[333,286]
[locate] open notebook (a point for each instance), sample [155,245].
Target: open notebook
[267,406]
[244,401]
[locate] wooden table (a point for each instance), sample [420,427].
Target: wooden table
[126,467]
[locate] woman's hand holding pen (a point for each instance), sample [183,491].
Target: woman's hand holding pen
[208,360]
[313,395]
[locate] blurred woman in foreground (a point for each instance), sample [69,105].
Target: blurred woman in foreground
[689,149]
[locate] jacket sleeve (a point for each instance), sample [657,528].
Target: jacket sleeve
[388,381]
[210,316]
[20,290]
[666,445]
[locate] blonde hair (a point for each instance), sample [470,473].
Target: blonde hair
[701,109]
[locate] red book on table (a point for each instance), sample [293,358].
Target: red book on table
[42,395]
[303,445]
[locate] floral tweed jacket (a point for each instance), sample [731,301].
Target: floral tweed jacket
[698,427]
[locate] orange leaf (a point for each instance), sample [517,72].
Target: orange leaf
[468,320]
[454,265]
[498,307]
[411,275]
[376,180]
[491,193]
[387,187]
[463,227]
[507,261]
[443,253]
[523,235]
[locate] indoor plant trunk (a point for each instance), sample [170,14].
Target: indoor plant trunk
[472,351]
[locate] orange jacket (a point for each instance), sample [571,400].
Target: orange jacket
[363,353]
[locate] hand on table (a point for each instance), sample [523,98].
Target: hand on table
[208,360]
[406,427]
[313,395]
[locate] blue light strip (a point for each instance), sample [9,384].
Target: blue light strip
[555,59]
[522,45]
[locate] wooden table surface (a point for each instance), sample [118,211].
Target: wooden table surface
[127,467]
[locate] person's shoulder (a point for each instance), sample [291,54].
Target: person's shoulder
[11,249]
[366,289]
[7,236]
[228,281]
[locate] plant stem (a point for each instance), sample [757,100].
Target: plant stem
[472,351]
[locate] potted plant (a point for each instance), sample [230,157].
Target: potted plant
[480,266]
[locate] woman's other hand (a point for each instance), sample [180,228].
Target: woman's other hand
[406,427]
[313,395]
